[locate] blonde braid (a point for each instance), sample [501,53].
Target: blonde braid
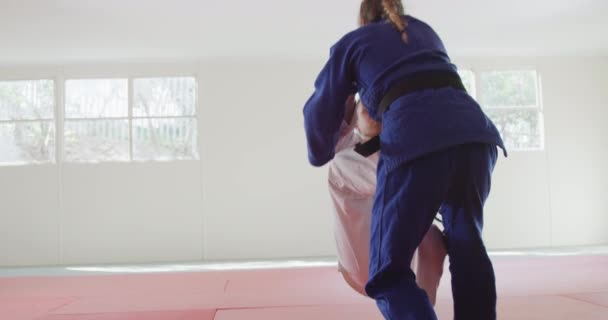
[391,9]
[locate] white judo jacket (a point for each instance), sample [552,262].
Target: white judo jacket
[352,185]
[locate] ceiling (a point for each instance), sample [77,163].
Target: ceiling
[34,31]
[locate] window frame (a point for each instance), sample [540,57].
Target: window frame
[479,90]
[15,77]
[59,74]
[194,117]
[130,117]
[539,108]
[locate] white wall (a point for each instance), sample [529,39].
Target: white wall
[254,196]
[131,212]
[577,150]
[262,199]
[29,215]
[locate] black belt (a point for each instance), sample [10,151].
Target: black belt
[418,82]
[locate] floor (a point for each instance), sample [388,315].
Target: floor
[542,286]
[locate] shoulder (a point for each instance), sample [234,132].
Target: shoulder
[416,23]
[347,41]
[360,34]
[371,29]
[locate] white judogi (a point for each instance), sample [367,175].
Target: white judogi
[352,185]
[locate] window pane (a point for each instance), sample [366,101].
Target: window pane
[468,79]
[26,100]
[164,139]
[509,89]
[97,140]
[521,129]
[27,142]
[96,98]
[159,97]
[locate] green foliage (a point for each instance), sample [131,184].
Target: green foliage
[520,128]
[510,99]
[508,89]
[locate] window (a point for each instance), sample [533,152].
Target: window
[27,128]
[512,100]
[164,121]
[104,123]
[96,126]
[468,79]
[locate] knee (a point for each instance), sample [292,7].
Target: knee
[388,278]
[464,239]
[356,280]
[460,244]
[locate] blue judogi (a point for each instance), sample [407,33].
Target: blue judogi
[428,139]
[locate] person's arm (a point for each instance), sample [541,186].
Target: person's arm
[350,109]
[346,136]
[324,111]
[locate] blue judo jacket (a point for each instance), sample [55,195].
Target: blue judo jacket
[369,60]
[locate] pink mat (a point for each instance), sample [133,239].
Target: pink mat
[333,312]
[529,288]
[151,315]
[26,308]
[599,299]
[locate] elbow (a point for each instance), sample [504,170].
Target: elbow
[319,161]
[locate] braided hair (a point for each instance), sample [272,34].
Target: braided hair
[376,10]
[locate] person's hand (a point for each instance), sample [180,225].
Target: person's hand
[366,125]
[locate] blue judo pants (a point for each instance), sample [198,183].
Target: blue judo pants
[454,182]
